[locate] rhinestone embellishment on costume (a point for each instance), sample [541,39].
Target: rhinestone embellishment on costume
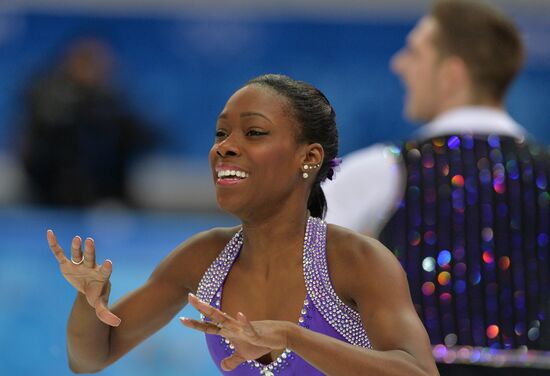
[282,360]
[216,273]
[320,294]
[342,318]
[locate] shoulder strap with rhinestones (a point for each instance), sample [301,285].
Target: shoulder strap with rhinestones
[342,318]
[217,271]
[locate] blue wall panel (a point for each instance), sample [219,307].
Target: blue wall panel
[178,72]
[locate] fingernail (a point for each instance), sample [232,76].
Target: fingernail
[184,319]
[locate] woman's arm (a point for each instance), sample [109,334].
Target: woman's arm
[93,338]
[373,278]
[400,343]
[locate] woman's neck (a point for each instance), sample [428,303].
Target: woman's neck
[267,239]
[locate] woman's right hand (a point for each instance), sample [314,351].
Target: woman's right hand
[86,276]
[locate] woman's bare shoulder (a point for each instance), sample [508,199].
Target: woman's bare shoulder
[351,246]
[358,262]
[186,264]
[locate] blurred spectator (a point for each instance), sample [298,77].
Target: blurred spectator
[79,136]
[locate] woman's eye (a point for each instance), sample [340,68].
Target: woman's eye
[220,134]
[255,132]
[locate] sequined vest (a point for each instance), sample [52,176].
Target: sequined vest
[472,233]
[322,311]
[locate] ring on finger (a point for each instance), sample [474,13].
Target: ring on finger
[77,262]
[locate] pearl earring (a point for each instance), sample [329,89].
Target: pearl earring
[305,175]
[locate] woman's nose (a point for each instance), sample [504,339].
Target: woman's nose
[227,148]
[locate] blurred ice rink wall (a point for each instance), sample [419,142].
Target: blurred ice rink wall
[177,63]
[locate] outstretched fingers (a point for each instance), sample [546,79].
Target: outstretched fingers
[55,247]
[93,289]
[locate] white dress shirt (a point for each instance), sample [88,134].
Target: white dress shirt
[369,183]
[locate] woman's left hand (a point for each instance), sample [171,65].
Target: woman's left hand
[251,339]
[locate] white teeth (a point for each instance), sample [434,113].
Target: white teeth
[239,174]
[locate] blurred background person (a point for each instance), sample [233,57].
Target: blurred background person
[80,137]
[464,204]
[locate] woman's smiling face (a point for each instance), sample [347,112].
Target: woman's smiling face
[255,159]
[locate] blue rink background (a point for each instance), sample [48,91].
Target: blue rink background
[177,72]
[36,300]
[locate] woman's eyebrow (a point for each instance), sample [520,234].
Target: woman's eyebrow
[223,115]
[249,113]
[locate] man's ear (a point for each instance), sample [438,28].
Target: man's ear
[455,78]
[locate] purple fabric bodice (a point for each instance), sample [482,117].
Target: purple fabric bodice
[322,312]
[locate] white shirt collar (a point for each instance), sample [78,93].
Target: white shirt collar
[472,119]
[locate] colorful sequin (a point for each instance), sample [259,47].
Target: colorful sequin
[476,256]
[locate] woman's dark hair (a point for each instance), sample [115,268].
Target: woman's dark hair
[317,119]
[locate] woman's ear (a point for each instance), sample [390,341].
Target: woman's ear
[313,155]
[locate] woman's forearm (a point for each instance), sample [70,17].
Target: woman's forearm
[335,357]
[87,338]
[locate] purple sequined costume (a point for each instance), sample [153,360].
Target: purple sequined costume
[322,311]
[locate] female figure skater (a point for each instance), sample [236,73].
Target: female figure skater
[283,293]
